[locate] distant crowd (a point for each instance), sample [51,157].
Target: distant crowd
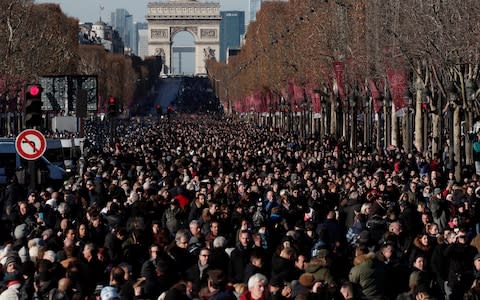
[201,208]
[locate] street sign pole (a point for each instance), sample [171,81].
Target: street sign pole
[30,145]
[33,176]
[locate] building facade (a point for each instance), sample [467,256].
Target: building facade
[232,28]
[99,33]
[122,22]
[142,46]
[254,6]
[200,19]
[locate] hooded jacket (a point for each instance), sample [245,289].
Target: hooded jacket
[369,274]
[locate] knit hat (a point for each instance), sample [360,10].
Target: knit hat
[476,257]
[49,255]
[48,233]
[20,231]
[307,280]
[108,293]
[11,259]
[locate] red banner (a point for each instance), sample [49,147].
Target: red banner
[339,69]
[397,80]
[377,105]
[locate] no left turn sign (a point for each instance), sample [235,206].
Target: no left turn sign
[30,144]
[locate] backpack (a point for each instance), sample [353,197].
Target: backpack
[476,146]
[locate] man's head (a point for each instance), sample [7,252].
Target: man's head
[181,239]
[216,280]
[245,238]
[203,256]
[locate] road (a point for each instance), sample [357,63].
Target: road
[167,92]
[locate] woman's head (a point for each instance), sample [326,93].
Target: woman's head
[257,284]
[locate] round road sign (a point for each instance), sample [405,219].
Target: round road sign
[30,144]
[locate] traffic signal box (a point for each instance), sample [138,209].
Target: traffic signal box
[33,105]
[112,107]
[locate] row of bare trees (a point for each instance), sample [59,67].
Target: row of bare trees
[40,40]
[435,43]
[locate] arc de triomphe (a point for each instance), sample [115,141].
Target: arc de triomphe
[202,20]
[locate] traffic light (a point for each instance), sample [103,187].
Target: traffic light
[112,106]
[158,108]
[33,105]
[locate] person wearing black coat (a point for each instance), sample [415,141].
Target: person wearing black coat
[283,265]
[256,265]
[240,257]
[198,273]
[459,256]
[218,256]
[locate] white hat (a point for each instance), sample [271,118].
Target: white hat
[108,293]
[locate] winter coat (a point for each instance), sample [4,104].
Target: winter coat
[171,219]
[369,274]
[239,258]
[319,272]
[440,212]
[283,268]
[247,296]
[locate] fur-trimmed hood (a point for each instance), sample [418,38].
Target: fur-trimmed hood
[363,258]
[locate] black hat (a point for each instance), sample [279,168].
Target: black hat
[476,257]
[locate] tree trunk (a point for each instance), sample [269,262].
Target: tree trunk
[394,128]
[405,131]
[333,116]
[457,158]
[418,116]
[468,141]
[435,133]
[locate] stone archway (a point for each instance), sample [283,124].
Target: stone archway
[202,20]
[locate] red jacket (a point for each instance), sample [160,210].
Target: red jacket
[248,296]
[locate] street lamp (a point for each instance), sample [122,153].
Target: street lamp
[323,110]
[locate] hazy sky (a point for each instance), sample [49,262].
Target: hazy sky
[89,10]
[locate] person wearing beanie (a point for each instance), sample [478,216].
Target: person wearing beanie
[14,283]
[109,293]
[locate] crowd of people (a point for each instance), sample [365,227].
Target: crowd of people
[202,208]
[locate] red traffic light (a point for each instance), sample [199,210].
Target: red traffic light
[34,90]
[111,101]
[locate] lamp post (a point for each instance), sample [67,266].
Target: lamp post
[323,115]
[282,113]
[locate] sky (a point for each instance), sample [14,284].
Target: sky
[89,10]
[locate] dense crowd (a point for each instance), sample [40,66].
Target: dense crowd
[201,208]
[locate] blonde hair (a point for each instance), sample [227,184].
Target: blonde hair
[365,206]
[240,288]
